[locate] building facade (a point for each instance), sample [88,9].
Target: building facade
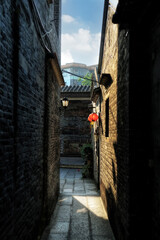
[127,134]
[76,70]
[75,129]
[143,64]
[30,80]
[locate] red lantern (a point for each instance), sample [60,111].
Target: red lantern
[93,117]
[89,119]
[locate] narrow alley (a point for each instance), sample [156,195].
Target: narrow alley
[79,120]
[79,213]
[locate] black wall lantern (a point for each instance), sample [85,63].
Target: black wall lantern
[65,102]
[106,80]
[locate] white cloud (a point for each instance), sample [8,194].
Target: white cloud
[82,46]
[67,18]
[67,57]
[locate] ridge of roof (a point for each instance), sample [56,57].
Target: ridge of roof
[74,88]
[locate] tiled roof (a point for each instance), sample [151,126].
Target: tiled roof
[75,89]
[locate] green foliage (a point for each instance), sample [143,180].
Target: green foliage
[87,154]
[86,171]
[86,82]
[86,151]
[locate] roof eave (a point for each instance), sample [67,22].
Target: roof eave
[56,68]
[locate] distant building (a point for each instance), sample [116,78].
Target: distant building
[78,69]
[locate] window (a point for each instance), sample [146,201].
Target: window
[107,118]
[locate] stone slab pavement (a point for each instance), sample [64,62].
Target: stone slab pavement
[79,213]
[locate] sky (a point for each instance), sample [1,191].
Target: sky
[81,30]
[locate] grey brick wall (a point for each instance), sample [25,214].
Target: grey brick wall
[52,140]
[114,149]
[129,167]
[28,123]
[75,129]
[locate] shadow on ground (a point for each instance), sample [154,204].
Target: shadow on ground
[79,213]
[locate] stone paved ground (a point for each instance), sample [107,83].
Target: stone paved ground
[79,213]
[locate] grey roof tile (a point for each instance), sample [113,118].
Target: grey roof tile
[75,88]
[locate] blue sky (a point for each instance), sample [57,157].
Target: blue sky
[87,13]
[81,30]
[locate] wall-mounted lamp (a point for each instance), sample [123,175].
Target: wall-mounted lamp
[106,80]
[65,102]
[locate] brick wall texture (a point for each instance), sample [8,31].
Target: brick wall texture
[75,129]
[114,149]
[129,156]
[29,123]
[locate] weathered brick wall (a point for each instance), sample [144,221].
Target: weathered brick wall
[51,16]
[114,149]
[52,150]
[75,129]
[26,170]
[121,147]
[7,121]
[57,16]
[130,181]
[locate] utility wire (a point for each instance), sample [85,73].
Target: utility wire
[40,27]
